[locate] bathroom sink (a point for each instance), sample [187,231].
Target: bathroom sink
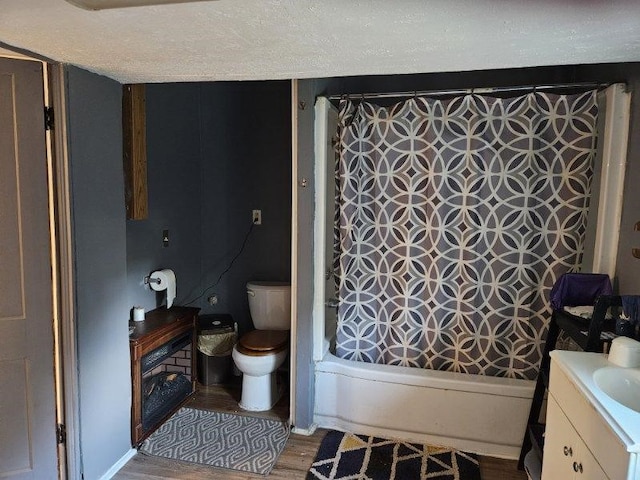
[620,384]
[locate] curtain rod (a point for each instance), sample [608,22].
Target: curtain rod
[463,91]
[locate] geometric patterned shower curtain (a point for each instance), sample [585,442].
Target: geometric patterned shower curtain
[454,219]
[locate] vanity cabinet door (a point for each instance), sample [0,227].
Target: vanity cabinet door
[558,434]
[565,454]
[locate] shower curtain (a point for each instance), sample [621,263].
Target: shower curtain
[454,217]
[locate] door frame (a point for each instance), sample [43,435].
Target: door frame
[323,110]
[66,356]
[293,366]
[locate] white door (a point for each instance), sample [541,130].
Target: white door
[27,396]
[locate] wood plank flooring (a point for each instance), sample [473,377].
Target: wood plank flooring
[294,462]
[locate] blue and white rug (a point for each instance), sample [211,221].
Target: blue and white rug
[218,439]
[347,456]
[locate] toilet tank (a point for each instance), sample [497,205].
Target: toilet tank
[270,305]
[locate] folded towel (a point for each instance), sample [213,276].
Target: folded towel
[585,311]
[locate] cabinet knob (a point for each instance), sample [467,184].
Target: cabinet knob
[568,452]
[577,467]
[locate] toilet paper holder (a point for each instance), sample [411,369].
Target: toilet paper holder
[161,280]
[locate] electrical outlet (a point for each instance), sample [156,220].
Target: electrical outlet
[256,217]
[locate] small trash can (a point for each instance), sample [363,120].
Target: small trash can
[532,465]
[217,335]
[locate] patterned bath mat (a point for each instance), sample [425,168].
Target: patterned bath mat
[218,439]
[345,456]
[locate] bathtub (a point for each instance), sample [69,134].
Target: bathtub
[484,415]
[474,413]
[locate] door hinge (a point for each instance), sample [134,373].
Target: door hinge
[48,118]
[61,433]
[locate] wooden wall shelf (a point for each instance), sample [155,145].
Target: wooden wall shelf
[134,135]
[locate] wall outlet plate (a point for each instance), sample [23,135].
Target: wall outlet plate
[256,217]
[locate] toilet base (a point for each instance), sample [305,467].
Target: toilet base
[259,393]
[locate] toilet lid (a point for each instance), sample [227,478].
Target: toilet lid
[264,340]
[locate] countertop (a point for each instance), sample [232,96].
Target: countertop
[579,368]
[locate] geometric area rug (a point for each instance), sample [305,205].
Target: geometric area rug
[345,456]
[219,439]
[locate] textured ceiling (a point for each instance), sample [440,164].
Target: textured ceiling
[282,39]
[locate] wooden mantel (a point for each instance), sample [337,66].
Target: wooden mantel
[135,151]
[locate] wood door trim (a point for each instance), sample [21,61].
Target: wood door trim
[64,253]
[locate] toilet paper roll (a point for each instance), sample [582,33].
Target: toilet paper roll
[138,314]
[164,280]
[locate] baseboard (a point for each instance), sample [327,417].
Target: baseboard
[119,464]
[305,431]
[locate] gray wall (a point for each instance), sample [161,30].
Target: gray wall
[174,196]
[99,238]
[216,151]
[305,384]
[246,164]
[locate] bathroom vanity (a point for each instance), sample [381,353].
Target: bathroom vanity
[590,435]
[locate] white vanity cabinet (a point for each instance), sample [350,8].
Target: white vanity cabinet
[565,454]
[586,436]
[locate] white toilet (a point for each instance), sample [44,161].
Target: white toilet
[259,353]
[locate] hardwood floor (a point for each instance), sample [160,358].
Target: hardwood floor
[294,462]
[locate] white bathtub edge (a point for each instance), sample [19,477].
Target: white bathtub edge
[426,378]
[509,452]
[482,415]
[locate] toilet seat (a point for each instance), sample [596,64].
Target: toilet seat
[259,343]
